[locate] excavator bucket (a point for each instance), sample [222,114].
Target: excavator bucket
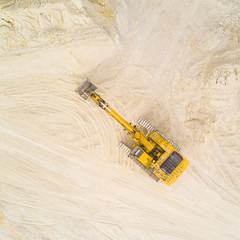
[86,89]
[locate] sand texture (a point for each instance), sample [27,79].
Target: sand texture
[175,63]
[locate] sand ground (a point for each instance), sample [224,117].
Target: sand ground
[175,63]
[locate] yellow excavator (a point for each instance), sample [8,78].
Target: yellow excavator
[153,152]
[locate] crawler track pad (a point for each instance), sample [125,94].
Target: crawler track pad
[86,89]
[146,170]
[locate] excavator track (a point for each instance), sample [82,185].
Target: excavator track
[151,128]
[124,148]
[127,151]
[146,170]
[146,125]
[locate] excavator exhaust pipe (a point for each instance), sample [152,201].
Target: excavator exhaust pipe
[86,89]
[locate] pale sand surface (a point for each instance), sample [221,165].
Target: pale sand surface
[175,63]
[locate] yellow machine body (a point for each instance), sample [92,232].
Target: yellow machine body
[157,166]
[152,152]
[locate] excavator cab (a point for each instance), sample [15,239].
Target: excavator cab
[170,164]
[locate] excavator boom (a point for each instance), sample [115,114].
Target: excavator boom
[87,90]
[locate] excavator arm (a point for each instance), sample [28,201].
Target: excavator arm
[87,90]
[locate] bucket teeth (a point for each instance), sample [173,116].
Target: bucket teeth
[86,89]
[124,148]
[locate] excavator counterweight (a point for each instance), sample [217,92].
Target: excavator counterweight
[153,152]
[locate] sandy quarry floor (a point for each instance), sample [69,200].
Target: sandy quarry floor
[176,63]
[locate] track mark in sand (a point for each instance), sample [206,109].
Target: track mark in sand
[49,109]
[215,104]
[202,94]
[128,94]
[191,104]
[10,230]
[65,191]
[225,85]
[80,124]
[1,220]
[16,4]
[132,82]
